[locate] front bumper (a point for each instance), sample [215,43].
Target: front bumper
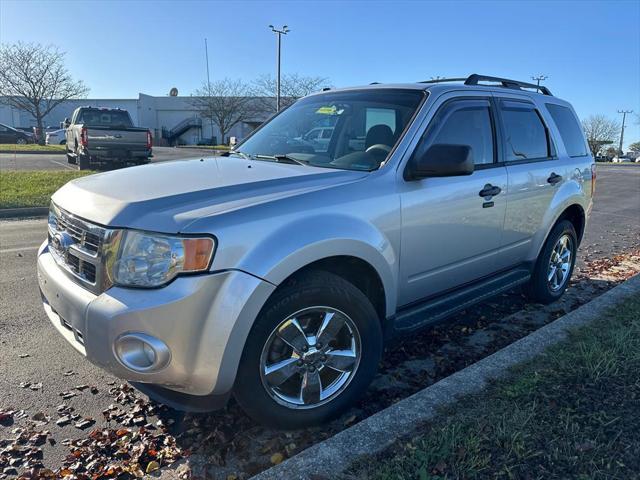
[203,319]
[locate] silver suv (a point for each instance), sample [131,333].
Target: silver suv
[276,273]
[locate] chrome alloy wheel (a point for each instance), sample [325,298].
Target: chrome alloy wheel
[560,263]
[310,357]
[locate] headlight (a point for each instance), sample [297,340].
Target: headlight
[151,260]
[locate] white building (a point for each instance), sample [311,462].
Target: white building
[172,120]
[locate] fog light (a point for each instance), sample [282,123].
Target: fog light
[141,352]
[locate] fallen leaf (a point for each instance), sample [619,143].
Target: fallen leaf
[277,458]
[152,466]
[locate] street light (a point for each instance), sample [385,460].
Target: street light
[279,33]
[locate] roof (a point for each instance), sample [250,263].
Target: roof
[497,84]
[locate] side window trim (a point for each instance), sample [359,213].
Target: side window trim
[552,153]
[485,102]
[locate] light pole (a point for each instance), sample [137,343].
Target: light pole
[624,118]
[279,33]
[206,52]
[539,78]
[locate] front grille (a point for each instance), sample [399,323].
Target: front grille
[77,245]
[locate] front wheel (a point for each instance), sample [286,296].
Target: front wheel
[21,141]
[311,353]
[555,264]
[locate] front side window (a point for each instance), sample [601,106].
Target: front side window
[464,122]
[569,129]
[525,136]
[356,129]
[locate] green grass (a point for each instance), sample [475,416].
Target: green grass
[31,147]
[573,412]
[32,188]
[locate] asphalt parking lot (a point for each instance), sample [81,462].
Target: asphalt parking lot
[31,351]
[56,161]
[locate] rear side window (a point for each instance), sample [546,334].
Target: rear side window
[525,136]
[569,128]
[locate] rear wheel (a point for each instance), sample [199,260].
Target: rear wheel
[555,264]
[311,353]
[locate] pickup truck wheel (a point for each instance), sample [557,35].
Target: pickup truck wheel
[71,159]
[311,353]
[83,162]
[555,264]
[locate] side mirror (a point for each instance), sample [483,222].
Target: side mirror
[66,123]
[441,161]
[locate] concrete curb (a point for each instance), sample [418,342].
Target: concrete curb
[35,152]
[332,456]
[24,212]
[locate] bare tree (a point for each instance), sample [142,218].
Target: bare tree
[292,87]
[33,78]
[600,131]
[225,103]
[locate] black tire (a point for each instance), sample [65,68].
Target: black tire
[71,159]
[310,289]
[539,289]
[83,162]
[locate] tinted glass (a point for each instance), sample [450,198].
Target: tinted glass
[104,118]
[569,128]
[464,125]
[525,135]
[363,125]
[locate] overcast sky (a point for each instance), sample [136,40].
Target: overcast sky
[590,50]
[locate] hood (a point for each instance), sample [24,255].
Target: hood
[168,196]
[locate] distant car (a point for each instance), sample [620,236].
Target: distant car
[622,159]
[56,137]
[107,136]
[12,135]
[319,138]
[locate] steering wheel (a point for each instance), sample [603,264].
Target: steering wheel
[378,148]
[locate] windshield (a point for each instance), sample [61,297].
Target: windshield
[353,130]
[104,118]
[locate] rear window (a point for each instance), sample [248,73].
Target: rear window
[525,134]
[569,128]
[104,118]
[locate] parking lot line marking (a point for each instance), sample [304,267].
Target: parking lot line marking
[19,249]
[63,164]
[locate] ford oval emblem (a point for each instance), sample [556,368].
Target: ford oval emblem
[62,241]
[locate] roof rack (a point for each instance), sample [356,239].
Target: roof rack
[441,80]
[473,79]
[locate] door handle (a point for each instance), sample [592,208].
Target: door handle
[489,191]
[554,178]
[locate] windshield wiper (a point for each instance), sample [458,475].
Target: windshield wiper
[283,158]
[234,152]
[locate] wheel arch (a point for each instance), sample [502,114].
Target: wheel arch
[356,271]
[572,211]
